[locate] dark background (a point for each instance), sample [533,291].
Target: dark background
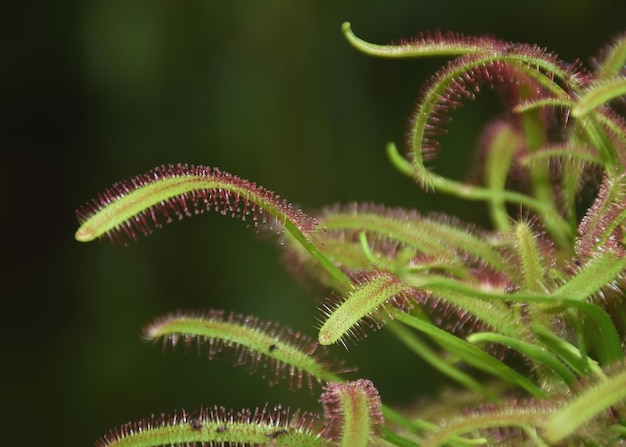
[97,91]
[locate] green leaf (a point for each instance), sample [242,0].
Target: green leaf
[218,426]
[171,193]
[353,412]
[586,405]
[174,192]
[370,299]
[614,59]
[280,352]
[513,416]
[597,273]
[435,236]
[533,265]
[598,94]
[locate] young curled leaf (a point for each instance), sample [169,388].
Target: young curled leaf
[435,43]
[514,68]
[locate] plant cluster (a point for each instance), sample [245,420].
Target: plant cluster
[527,315]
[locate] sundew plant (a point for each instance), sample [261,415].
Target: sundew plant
[526,315]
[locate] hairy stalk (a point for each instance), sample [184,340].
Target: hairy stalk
[175,192]
[353,412]
[218,426]
[599,94]
[430,235]
[614,58]
[368,300]
[533,266]
[279,351]
[587,405]
[525,417]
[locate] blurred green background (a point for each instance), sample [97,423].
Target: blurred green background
[97,91]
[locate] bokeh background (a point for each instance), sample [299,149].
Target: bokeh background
[92,92]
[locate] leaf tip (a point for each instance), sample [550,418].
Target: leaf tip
[85,234]
[353,412]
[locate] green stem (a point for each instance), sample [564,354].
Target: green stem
[470,353]
[531,351]
[323,261]
[427,354]
[559,227]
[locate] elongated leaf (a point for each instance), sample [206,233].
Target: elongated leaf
[594,400]
[174,192]
[377,292]
[279,352]
[217,426]
[599,94]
